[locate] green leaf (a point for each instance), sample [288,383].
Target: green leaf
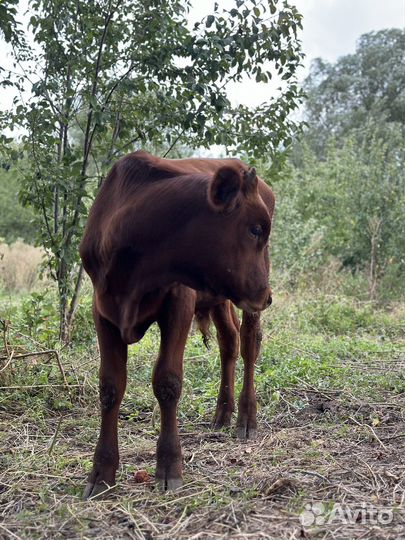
[210,21]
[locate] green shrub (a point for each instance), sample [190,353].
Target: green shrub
[40,318]
[83,330]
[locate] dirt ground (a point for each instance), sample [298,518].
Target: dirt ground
[320,472]
[328,463]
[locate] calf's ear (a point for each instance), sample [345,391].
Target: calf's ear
[224,189]
[250,180]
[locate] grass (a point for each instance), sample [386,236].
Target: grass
[19,266]
[331,388]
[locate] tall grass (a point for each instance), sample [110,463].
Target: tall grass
[19,266]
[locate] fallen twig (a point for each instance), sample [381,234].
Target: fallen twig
[377,438]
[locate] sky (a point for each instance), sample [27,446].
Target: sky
[331,29]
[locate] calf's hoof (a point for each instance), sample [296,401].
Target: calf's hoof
[246,427]
[169,464]
[169,484]
[245,433]
[96,490]
[222,419]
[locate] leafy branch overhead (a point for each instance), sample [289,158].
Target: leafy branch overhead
[141,60]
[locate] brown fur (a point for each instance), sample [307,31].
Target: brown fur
[167,239]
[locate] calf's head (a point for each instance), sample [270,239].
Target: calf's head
[236,237]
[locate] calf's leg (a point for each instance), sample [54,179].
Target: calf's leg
[174,322]
[251,336]
[227,326]
[113,375]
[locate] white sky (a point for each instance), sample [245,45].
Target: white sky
[331,28]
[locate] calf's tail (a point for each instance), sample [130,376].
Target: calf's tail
[203,320]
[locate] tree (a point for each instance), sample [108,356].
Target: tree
[107,76]
[345,188]
[15,220]
[8,23]
[349,206]
[369,84]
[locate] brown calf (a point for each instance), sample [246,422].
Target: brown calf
[159,231]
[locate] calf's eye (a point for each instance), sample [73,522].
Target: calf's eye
[256,231]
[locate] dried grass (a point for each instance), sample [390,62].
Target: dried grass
[19,266]
[323,451]
[232,490]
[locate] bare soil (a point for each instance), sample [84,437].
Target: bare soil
[326,452]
